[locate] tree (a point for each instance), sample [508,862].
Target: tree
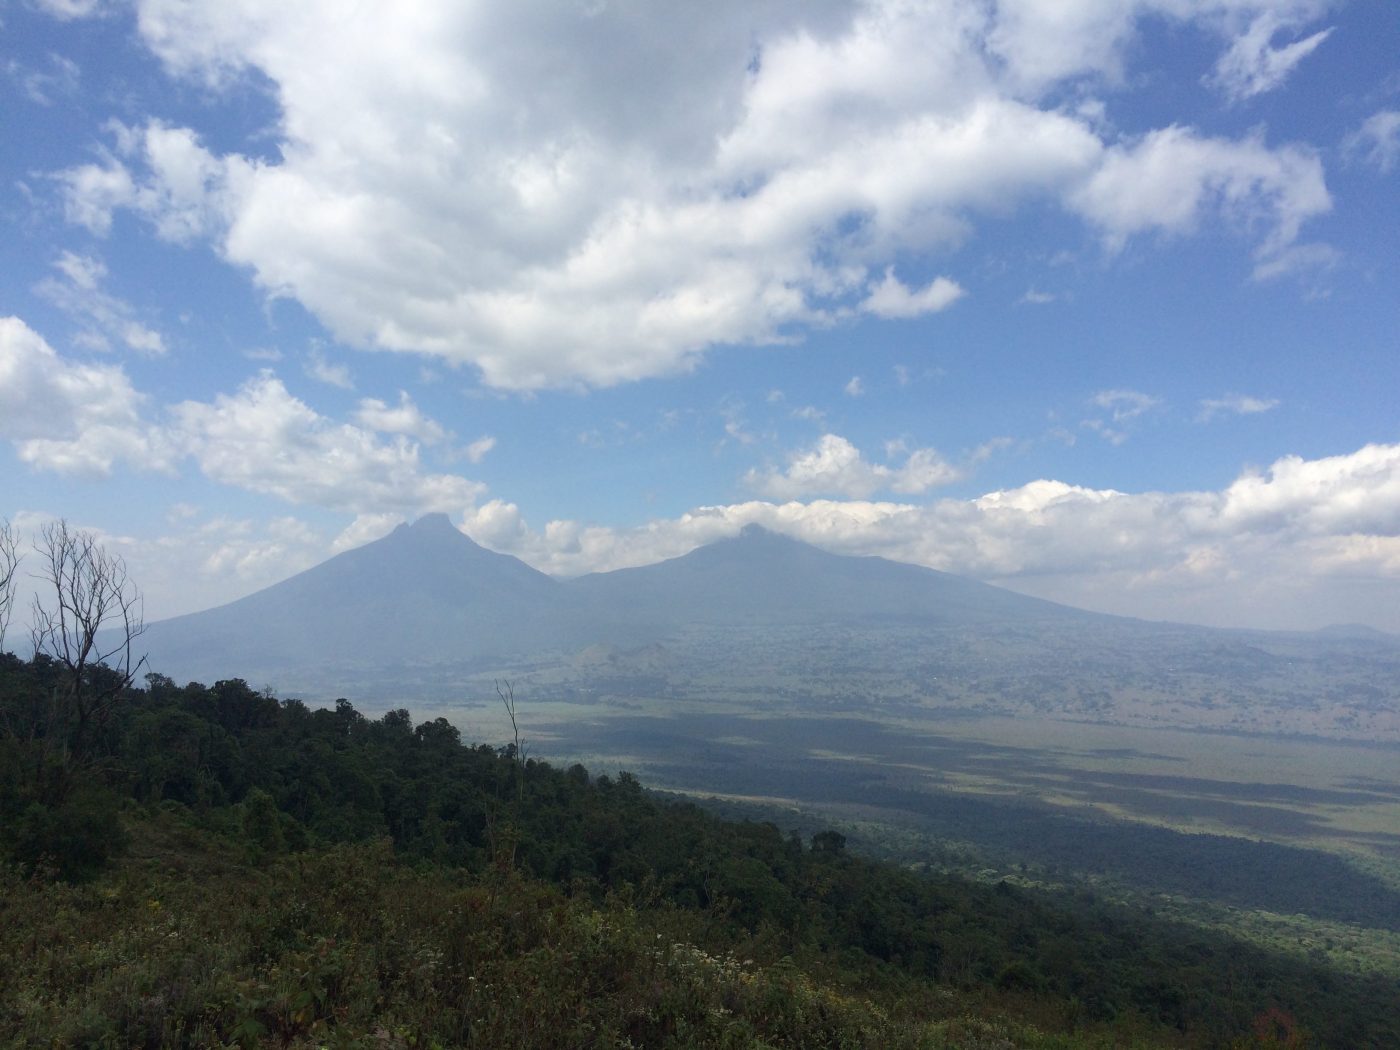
[9,565]
[87,624]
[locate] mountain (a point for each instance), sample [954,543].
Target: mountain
[426,616]
[426,594]
[423,594]
[763,578]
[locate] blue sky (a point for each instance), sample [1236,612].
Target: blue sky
[1098,301]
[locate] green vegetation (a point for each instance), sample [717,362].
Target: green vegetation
[207,866]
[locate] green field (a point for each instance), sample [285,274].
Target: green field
[1290,842]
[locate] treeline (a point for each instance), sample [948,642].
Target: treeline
[276,780]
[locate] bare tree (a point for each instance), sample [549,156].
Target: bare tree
[88,624]
[505,841]
[9,566]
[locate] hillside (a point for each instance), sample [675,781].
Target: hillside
[220,865]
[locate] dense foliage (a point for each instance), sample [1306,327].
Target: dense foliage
[296,873]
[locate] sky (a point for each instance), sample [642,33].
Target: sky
[1094,299]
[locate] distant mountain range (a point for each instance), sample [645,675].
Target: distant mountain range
[428,594]
[763,623]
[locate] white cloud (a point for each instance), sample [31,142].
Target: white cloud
[854,388]
[1123,408]
[989,448]
[1346,495]
[891,298]
[1377,141]
[68,417]
[1305,543]
[92,192]
[476,184]
[70,10]
[263,439]
[1235,404]
[321,369]
[731,411]
[1124,405]
[1035,297]
[1295,260]
[403,418]
[477,450]
[204,562]
[366,528]
[77,418]
[43,86]
[237,549]
[182,189]
[1172,179]
[1045,41]
[1253,65]
[834,466]
[499,524]
[78,292]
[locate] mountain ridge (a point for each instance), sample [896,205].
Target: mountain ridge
[426,614]
[427,592]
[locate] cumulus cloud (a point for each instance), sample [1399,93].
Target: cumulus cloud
[1171,179]
[1353,494]
[599,193]
[78,292]
[833,466]
[1377,141]
[1252,65]
[70,417]
[263,439]
[93,192]
[891,298]
[78,418]
[477,450]
[323,370]
[203,561]
[1300,544]
[403,418]
[366,528]
[182,189]
[1235,405]
[855,387]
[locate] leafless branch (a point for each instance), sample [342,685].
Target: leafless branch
[92,615]
[9,572]
[506,841]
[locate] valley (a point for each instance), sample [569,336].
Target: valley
[1244,780]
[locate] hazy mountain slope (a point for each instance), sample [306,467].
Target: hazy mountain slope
[424,593]
[760,577]
[422,611]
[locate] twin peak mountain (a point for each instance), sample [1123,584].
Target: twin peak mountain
[426,594]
